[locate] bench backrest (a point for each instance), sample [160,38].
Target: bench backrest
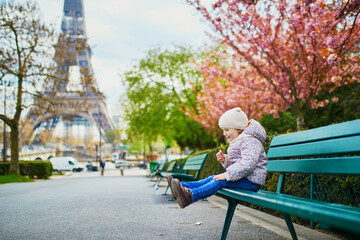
[195,163]
[337,139]
[153,166]
[324,150]
[161,167]
[337,165]
[172,166]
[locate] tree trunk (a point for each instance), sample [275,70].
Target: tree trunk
[151,153]
[300,120]
[14,164]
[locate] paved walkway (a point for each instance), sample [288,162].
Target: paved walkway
[89,206]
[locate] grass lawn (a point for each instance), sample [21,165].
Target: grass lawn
[14,178]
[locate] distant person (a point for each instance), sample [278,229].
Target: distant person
[245,161]
[143,165]
[102,166]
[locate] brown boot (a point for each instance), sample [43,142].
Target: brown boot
[183,194]
[169,179]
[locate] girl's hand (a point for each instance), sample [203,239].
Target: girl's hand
[220,176]
[220,156]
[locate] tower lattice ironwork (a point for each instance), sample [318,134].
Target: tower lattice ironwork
[72,50]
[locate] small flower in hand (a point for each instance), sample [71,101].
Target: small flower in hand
[220,156]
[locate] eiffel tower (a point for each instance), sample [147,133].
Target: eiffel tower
[73,51]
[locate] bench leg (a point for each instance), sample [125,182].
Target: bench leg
[158,181]
[167,188]
[290,226]
[229,215]
[172,197]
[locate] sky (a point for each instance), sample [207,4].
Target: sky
[120,32]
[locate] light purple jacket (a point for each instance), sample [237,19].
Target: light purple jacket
[246,156]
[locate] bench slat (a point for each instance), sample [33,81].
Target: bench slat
[337,165]
[201,157]
[346,145]
[195,167]
[194,162]
[184,177]
[332,131]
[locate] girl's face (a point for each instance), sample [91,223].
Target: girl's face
[231,133]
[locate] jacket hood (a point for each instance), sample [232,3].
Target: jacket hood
[256,130]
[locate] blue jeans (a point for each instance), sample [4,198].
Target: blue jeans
[209,186]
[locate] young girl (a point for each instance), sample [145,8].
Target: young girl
[245,162]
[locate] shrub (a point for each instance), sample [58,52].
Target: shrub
[4,168]
[33,169]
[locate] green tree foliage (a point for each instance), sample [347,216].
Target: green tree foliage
[189,133]
[157,88]
[112,136]
[285,123]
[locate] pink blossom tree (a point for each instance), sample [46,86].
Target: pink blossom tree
[293,50]
[229,83]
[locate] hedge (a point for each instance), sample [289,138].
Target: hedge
[32,169]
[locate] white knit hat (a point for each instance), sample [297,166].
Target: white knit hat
[234,118]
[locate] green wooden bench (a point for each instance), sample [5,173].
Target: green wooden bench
[325,150]
[158,169]
[152,167]
[193,164]
[169,169]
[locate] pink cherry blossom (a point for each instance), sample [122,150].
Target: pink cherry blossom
[276,55]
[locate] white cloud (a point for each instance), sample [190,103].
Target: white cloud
[111,8]
[174,16]
[99,30]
